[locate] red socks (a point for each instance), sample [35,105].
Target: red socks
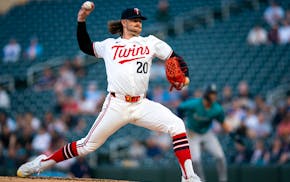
[64,153]
[181,149]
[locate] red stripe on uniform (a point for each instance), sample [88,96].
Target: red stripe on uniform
[74,148]
[95,125]
[179,136]
[128,60]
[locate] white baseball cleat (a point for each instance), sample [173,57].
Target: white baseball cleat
[191,179]
[31,167]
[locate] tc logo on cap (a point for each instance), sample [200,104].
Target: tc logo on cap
[136,11]
[132,13]
[213,87]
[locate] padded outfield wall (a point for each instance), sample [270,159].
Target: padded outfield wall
[236,174]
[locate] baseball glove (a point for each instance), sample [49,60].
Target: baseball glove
[175,73]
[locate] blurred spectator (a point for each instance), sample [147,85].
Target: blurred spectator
[78,66]
[163,11]
[11,161]
[31,120]
[153,150]
[157,71]
[60,124]
[273,34]
[274,154]
[251,122]
[25,137]
[257,36]
[41,141]
[260,104]
[7,121]
[48,120]
[227,98]
[242,154]
[56,125]
[258,153]
[283,129]
[11,51]
[8,145]
[159,94]
[263,128]
[80,169]
[4,99]
[78,92]
[173,99]
[287,18]
[70,106]
[162,140]
[257,125]
[274,13]
[92,100]
[244,95]
[46,80]
[7,137]
[284,33]
[137,150]
[288,102]
[34,50]
[197,93]
[60,99]
[235,115]
[93,93]
[80,127]
[87,106]
[285,156]
[165,97]
[65,80]
[2,157]
[243,89]
[279,115]
[185,94]
[20,122]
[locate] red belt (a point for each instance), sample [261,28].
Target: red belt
[128,98]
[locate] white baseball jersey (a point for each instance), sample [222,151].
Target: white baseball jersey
[128,62]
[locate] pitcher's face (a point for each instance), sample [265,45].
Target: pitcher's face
[132,26]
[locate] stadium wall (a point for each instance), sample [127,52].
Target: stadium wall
[236,174]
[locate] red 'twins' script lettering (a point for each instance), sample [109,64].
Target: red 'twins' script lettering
[134,52]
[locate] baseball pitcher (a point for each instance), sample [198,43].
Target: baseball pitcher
[200,114]
[128,59]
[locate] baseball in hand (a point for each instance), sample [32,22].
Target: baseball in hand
[88,5]
[186,82]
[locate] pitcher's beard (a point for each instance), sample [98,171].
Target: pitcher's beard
[136,32]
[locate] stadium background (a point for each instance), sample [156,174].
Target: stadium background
[52,95]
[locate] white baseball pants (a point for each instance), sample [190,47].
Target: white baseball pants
[117,112]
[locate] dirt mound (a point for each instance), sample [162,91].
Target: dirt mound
[42,179]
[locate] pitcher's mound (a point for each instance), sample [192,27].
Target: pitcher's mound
[45,179]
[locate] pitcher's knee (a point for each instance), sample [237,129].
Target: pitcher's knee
[85,147]
[177,128]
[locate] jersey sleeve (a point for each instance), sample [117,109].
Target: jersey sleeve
[99,48]
[187,105]
[161,49]
[221,116]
